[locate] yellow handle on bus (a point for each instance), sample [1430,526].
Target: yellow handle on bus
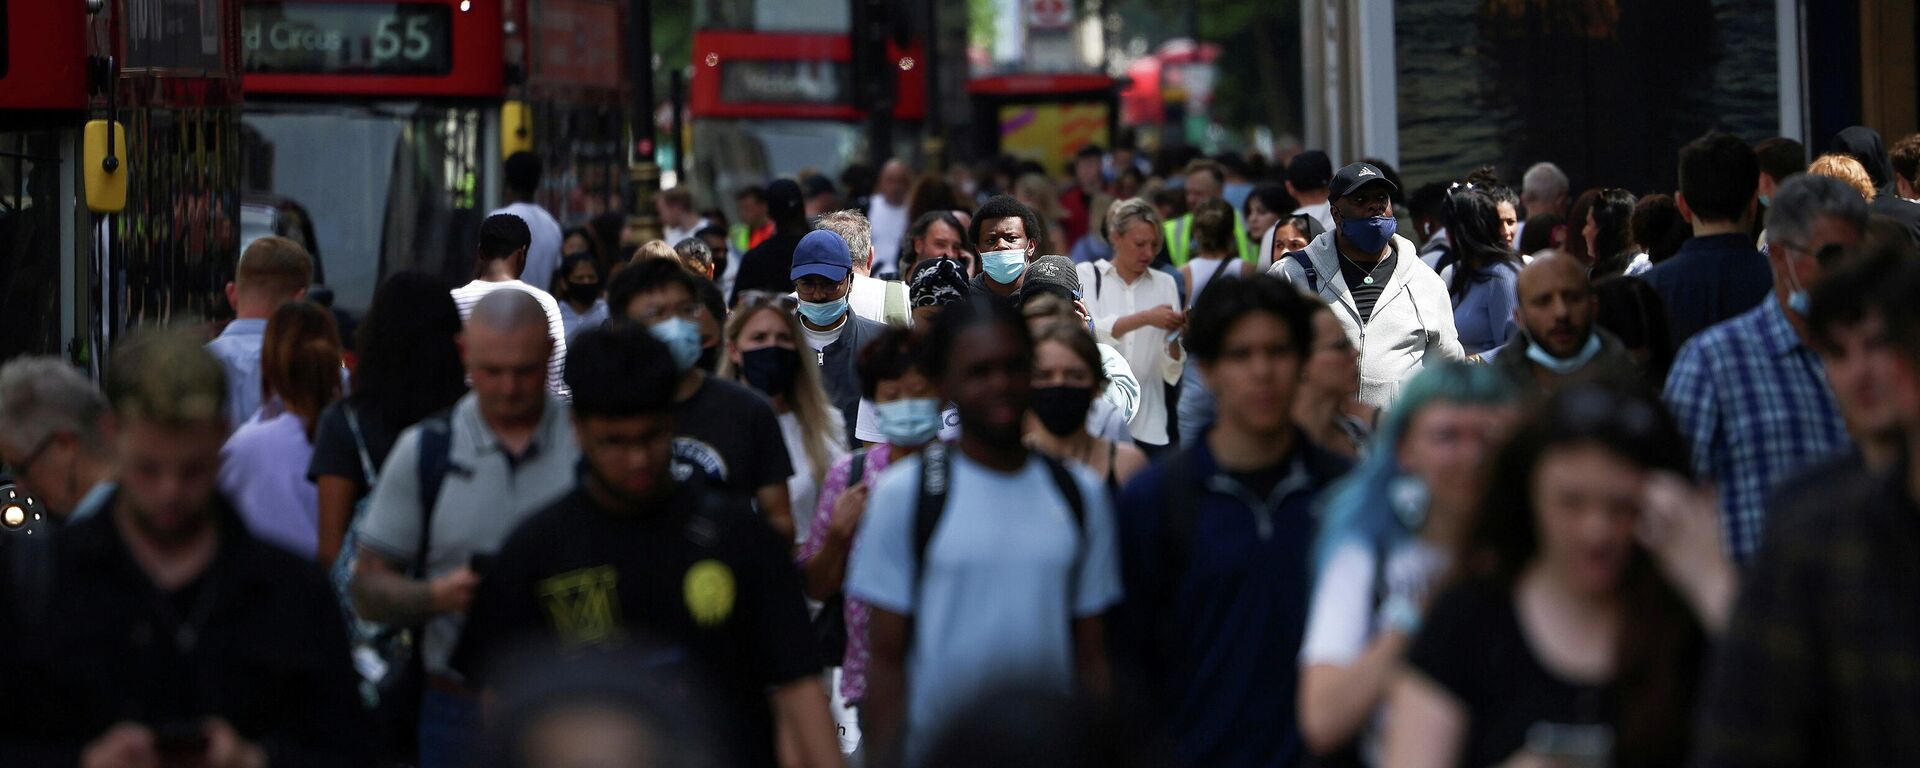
[105,177]
[516,128]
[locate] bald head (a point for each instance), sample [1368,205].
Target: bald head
[894,180]
[506,349]
[1555,268]
[1557,305]
[507,311]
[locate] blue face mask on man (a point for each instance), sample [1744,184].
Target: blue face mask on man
[1369,235]
[823,313]
[1564,365]
[1004,267]
[682,337]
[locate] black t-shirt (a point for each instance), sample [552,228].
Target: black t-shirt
[767,266]
[1365,294]
[334,451]
[730,433]
[702,574]
[1472,646]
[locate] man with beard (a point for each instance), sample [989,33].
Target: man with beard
[159,631]
[1558,343]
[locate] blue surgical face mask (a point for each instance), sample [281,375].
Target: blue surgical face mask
[1763,201]
[823,313]
[909,423]
[1564,366]
[1369,235]
[1004,267]
[1800,300]
[682,337]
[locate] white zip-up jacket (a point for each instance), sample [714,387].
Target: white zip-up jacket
[1411,325]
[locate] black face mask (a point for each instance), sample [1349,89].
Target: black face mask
[709,360]
[583,293]
[770,369]
[1062,410]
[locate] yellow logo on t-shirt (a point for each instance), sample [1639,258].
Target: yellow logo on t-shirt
[709,592]
[583,605]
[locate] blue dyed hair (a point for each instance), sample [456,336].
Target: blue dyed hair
[1359,508]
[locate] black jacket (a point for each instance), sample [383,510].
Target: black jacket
[838,372]
[1614,365]
[768,266]
[265,648]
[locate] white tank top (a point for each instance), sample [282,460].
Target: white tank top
[1204,270]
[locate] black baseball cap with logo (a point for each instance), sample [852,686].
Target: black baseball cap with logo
[1351,178]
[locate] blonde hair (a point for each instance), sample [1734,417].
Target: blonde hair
[654,249]
[1847,169]
[806,395]
[1124,212]
[167,376]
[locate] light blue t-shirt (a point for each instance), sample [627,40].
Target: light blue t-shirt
[238,350]
[993,607]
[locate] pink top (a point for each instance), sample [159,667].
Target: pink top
[853,672]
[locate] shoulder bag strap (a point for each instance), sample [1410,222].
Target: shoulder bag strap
[436,458]
[360,445]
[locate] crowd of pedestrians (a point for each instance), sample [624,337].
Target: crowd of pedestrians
[1198,462]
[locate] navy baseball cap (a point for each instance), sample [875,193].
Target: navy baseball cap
[822,253]
[1351,178]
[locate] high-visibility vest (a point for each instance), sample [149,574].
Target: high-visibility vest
[1179,234]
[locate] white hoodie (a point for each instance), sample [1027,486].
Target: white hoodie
[1412,322]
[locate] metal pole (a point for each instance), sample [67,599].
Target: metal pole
[934,145]
[643,175]
[677,95]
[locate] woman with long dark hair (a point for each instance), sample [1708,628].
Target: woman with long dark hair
[409,368]
[1633,311]
[263,465]
[1484,276]
[1608,234]
[1567,641]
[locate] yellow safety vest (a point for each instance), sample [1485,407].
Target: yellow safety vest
[1180,242]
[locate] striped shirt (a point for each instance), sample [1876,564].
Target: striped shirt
[470,294]
[1753,401]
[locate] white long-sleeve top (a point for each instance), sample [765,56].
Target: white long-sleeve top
[1110,297]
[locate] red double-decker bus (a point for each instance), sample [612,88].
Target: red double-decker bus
[383,124]
[168,71]
[774,96]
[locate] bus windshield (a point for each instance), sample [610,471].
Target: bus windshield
[389,187]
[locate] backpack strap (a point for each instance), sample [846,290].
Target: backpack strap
[894,306]
[1313,275]
[932,503]
[857,469]
[436,460]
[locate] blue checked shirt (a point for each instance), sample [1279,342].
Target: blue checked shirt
[1754,404]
